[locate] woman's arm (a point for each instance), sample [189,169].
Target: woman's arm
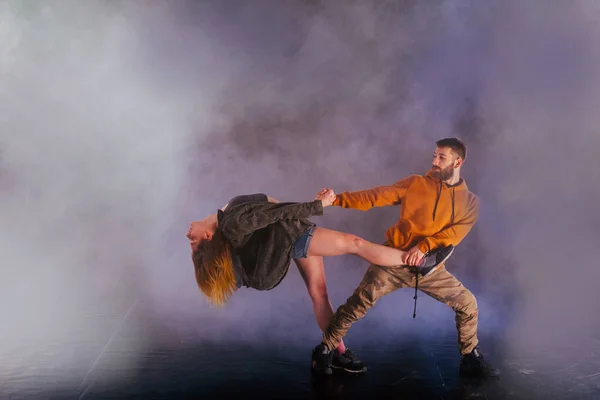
[269,199]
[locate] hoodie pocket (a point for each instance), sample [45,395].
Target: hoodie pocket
[403,234]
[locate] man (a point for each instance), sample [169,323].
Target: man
[437,210]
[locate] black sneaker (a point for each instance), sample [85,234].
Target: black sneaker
[474,365]
[321,360]
[434,259]
[348,362]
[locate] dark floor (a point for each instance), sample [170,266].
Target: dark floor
[179,366]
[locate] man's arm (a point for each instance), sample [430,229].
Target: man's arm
[379,196]
[453,234]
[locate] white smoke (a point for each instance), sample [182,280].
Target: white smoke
[120,122]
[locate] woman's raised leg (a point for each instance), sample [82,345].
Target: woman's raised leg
[327,242]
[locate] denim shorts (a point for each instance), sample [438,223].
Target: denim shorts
[300,248]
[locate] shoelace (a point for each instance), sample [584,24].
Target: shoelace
[482,361]
[350,355]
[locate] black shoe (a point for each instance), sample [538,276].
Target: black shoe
[474,365]
[434,259]
[321,360]
[348,362]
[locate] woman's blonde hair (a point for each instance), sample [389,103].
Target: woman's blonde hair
[214,269]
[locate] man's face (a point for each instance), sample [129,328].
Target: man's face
[443,163]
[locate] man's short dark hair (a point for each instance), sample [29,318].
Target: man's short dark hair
[455,144]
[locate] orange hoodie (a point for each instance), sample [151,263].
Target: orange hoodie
[432,214]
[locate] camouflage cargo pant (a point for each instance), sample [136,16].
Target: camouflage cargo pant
[379,281]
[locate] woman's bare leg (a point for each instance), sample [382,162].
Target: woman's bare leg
[313,273]
[326,242]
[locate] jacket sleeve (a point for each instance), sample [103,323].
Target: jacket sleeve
[246,218]
[379,196]
[453,234]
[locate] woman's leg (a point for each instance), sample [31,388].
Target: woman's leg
[313,273]
[326,242]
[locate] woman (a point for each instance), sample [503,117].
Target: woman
[252,240]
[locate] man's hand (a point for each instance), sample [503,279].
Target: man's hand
[327,197]
[413,257]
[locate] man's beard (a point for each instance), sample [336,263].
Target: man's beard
[442,174]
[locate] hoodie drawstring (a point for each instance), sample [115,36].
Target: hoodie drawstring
[437,200]
[439,194]
[452,194]
[416,288]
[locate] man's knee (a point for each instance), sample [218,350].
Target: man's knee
[358,304]
[468,303]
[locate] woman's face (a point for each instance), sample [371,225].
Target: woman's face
[199,231]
